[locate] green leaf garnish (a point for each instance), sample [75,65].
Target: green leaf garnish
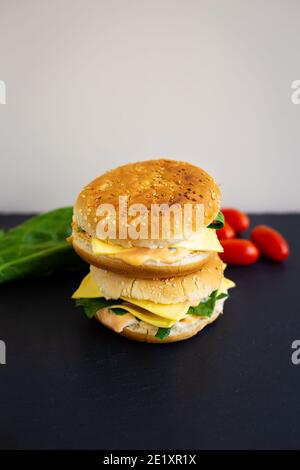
[205,309]
[38,246]
[218,222]
[119,311]
[91,306]
[162,333]
[80,229]
[222,296]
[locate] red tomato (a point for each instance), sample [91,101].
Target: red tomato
[238,220]
[225,232]
[239,252]
[270,242]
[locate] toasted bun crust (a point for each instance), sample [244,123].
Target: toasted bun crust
[189,264]
[192,287]
[153,181]
[182,330]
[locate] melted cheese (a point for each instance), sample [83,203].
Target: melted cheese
[145,316]
[207,240]
[100,247]
[170,311]
[136,256]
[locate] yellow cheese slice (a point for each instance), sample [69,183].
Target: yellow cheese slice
[100,247]
[145,316]
[88,289]
[170,311]
[207,240]
[225,285]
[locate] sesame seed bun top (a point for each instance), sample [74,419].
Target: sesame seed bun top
[153,181]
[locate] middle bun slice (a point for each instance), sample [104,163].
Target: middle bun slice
[191,288]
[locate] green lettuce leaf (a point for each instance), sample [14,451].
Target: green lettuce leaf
[162,333]
[218,222]
[205,309]
[38,247]
[91,306]
[119,311]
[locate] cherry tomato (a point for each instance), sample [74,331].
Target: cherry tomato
[270,242]
[239,252]
[238,220]
[225,232]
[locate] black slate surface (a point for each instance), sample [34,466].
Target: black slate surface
[71,384]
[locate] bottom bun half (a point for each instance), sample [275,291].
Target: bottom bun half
[143,332]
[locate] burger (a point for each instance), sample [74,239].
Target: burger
[148,232]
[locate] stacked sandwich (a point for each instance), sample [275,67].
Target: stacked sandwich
[151,289]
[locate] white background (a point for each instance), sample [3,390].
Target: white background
[96,83]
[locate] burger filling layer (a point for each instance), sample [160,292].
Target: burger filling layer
[117,314]
[205,242]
